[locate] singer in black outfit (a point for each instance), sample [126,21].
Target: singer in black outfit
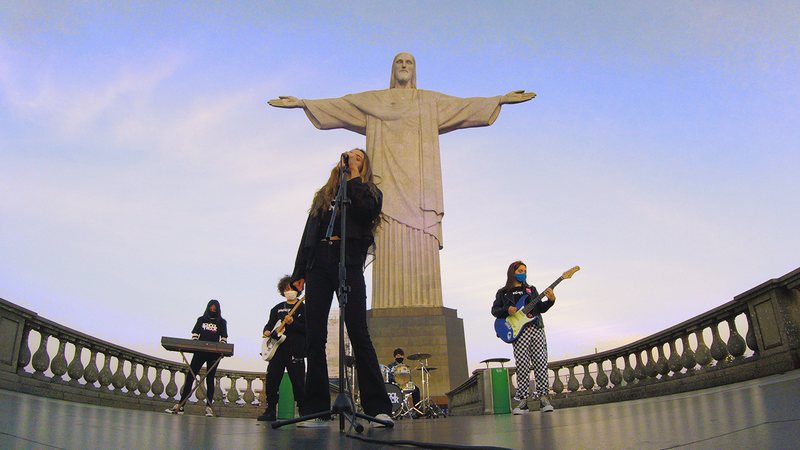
[316,270]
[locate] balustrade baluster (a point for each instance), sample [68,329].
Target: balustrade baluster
[249,395]
[558,385]
[200,393]
[105,373]
[662,365]
[702,354]
[75,369]
[602,378]
[572,381]
[736,344]
[588,382]
[616,375]
[638,371]
[218,397]
[144,382]
[750,337]
[674,360]
[650,367]
[158,385]
[91,374]
[118,379]
[41,359]
[24,357]
[687,359]
[132,382]
[719,351]
[627,373]
[233,393]
[59,364]
[172,386]
[262,396]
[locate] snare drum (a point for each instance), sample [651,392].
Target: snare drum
[395,396]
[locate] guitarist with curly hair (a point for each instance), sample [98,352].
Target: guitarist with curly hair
[530,345]
[290,352]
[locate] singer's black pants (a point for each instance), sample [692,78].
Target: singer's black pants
[322,280]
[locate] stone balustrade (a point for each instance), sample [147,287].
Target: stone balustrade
[754,335]
[42,357]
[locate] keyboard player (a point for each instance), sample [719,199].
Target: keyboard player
[209,327]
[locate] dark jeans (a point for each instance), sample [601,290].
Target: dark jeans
[198,359]
[322,280]
[297,372]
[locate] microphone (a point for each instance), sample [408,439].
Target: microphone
[346,158]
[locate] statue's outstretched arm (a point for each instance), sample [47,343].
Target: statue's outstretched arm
[513,97]
[287,101]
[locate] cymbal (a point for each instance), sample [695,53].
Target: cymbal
[417,356]
[429,369]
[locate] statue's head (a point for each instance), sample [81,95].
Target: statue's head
[404,71]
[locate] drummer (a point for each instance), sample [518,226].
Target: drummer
[399,357]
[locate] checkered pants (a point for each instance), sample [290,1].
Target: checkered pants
[530,352]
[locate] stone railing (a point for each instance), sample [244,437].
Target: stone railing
[754,335]
[45,358]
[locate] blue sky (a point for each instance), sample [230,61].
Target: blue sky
[143,172]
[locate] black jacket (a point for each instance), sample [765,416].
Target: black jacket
[364,208]
[509,297]
[295,333]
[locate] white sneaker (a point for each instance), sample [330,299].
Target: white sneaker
[545,405]
[314,423]
[175,409]
[385,418]
[209,412]
[522,408]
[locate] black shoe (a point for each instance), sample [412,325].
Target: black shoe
[268,416]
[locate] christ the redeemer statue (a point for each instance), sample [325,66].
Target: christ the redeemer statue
[402,125]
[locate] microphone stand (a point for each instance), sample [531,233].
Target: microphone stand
[343,405]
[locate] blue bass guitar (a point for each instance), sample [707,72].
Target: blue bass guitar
[511,327]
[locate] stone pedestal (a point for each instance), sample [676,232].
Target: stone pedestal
[434,330]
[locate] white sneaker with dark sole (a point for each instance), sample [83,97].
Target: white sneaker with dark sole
[545,405]
[174,410]
[521,408]
[314,423]
[385,418]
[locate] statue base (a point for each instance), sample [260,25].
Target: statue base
[434,330]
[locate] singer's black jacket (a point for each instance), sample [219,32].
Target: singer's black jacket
[364,208]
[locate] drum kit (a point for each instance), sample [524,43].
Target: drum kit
[401,391]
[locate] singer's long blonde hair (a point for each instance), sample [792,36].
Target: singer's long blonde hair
[325,195]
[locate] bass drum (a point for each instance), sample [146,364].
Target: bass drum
[395,396]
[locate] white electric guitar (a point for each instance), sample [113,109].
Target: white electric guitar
[269,345]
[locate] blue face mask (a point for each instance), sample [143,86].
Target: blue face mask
[521,277]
